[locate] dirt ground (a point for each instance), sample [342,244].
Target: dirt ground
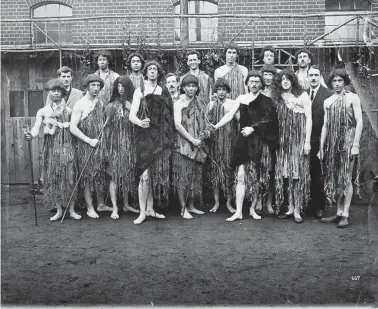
[204,261]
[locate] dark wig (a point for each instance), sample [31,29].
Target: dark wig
[277,90]
[255,74]
[269,68]
[306,51]
[131,56]
[152,62]
[104,53]
[268,48]
[338,72]
[56,83]
[127,84]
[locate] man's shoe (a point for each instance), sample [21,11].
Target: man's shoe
[285,216]
[319,214]
[332,219]
[343,222]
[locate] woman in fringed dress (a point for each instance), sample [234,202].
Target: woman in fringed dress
[119,144]
[292,174]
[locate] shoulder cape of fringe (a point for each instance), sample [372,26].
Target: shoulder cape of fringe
[154,144]
[119,145]
[59,162]
[236,81]
[221,149]
[91,126]
[291,161]
[105,93]
[341,128]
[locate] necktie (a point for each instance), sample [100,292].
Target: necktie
[312,95]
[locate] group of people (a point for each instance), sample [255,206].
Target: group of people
[285,141]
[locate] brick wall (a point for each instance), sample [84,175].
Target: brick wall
[111,32]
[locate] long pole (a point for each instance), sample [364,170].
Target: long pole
[82,171]
[26,129]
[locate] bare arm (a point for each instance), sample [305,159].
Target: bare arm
[229,115]
[75,119]
[356,104]
[37,125]
[324,132]
[245,74]
[135,108]
[177,107]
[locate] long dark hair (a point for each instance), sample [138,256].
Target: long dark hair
[127,84]
[277,90]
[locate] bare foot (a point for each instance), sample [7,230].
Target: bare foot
[58,215]
[253,214]
[74,215]
[230,209]
[141,218]
[186,214]
[114,214]
[127,208]
[153,213]
[104,208]
[92,214]
[236,216]
[215,208]
[270,210]
[195,210]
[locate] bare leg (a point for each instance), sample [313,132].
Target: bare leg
[297,206]
[88,199]
[113,197]
[228,204]
[59,212]
[347,199]
[290,195]
[184,211]
[100,201]
[126,206]
[269,201]
[150,206]
[240,193]
[73,214]
[191,207]
[216,198]
[142,194]
[252,209]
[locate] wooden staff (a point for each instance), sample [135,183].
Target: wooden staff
[99,137]
[26,130]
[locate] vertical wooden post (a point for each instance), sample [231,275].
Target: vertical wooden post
[253,43]
[60,43]
[184,23]
[305,32]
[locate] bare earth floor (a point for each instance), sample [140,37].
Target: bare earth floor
[204,261]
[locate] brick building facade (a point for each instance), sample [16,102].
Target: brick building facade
[112,32]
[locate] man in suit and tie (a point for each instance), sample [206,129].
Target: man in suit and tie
[73,94]
[318,94]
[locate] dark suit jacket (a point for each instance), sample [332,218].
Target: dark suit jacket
[318,115]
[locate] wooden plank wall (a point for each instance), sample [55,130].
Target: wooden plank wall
[30,72]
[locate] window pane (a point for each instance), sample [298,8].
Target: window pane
[65,10]
[16,102]
[52,10]
[39,36]
[40,11]
[35,102]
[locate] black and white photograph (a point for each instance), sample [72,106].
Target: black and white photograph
[189,153]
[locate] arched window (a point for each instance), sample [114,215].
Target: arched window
[59,32]
[200,29]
